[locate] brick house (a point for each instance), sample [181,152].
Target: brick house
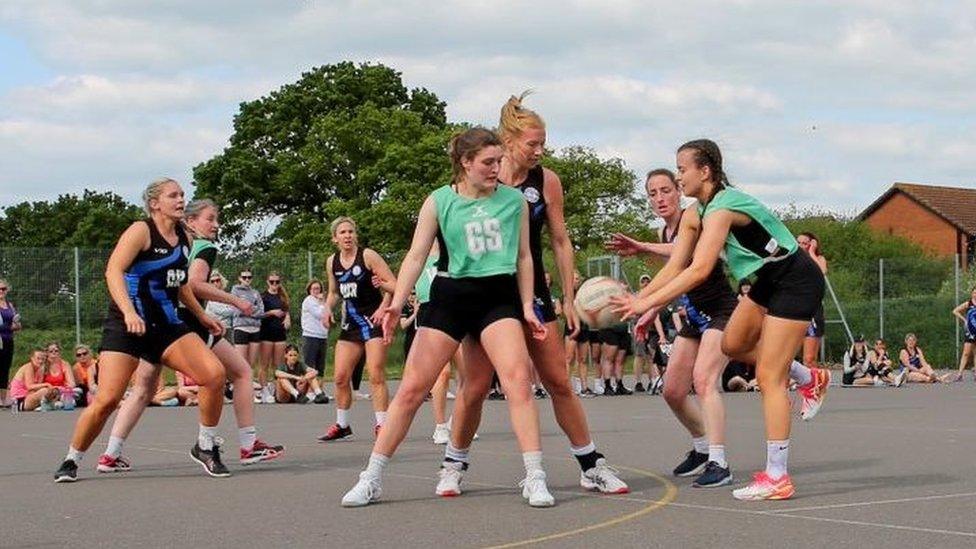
[940,219]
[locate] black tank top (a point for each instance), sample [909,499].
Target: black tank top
[532,190]
[715,288]
[155,277]
[271,302]
[359,297]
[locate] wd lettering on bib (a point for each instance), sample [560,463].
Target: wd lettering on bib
[349,290]
[175,278]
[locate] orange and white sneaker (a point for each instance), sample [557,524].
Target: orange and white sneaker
[814,393]
[765,488]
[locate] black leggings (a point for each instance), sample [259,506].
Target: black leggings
[6,361]
[314,350]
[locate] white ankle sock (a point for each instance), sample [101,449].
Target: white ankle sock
[716,453]
[777,454]
[206,437]
[456,454]
[342,417]
[247,436]
[377,462]
[75,455]
[800,373]
[380,417]
[583,450]
[114,448]
[700,444]
[532,461]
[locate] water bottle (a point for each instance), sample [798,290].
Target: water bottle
[67,399]
[15,406]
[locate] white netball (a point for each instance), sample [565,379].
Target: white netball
[593,301]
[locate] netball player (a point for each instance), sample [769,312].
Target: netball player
[788,290]
[351,273]
[524,134]
[201,220]
[146,277]
[809,243]
[483,291]
[966,313]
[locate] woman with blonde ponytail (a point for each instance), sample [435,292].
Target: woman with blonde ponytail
[523,135]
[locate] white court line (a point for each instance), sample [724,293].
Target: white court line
[824,519]
[876,502]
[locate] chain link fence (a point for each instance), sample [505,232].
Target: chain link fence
[61,295]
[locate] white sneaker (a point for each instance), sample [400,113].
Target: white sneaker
[598,388]
[603,478]
[449,485]
[535,490]
[451,396]
[900,378]
[442,435]
[366,491]
[268,397]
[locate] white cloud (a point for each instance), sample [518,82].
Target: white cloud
[149,86]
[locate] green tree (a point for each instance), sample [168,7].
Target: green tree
[93,220]
[344,139]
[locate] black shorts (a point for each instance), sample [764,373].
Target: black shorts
[274,334]
[360,333]
[243,338]
[818,324]
[792,288]
[710,315]
[193,323]
[149,346]
[970,337]
[618,337]
[466,306]
[581,336]
[542,304]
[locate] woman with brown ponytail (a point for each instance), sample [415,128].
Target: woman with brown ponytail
[523,133]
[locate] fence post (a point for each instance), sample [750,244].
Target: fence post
[881,298]
[956,293]
[309,264]
[77,298]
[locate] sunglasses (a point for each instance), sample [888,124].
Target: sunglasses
[214,280]
[3,288]
[274,282]
[246,277]
[81,354]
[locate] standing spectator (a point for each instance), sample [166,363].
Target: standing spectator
[28,388]
[297,382]
[912,359]
[315,336]
[85,371]
[811,343]
[408,322]
[247,329]
[966,313]
[9,323]
[274,332]
[59,375]
[221,311]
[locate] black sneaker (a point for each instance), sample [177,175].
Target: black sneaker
[496,395]
[714,475]
[587,393]
[302,399]
[68,472]
[608,390]
[336,433]
[321,398]
[540,393]
[639,388]
[693,464]
[623,391]
[210,460]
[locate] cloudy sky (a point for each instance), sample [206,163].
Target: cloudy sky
[818,103]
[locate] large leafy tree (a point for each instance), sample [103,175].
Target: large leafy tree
[93,220]
[344,139]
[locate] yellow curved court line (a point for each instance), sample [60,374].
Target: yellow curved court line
[670,492]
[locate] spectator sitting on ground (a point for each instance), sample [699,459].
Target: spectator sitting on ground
[739,377]
[744,287]
[28,388]
[85,371]
[166,395]
[881,365]
[187,390]
[296,381]
[858,371]
[59,375]
[912,359]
